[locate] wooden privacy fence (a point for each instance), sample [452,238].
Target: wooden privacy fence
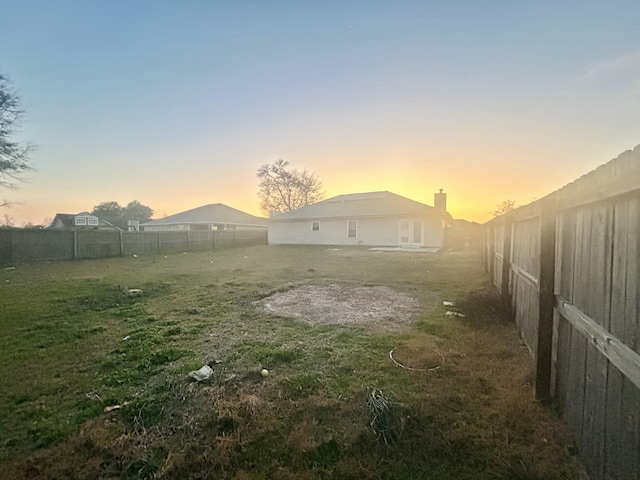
[23,246]
[569,265]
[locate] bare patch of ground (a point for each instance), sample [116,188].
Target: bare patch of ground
[337,304]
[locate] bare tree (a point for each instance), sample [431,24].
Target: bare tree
[9,221]
[14,155]
[503,207]
[282,189]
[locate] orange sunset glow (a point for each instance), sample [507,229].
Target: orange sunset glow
[487,104]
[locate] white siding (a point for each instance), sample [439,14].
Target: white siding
[433,233]
[370,231]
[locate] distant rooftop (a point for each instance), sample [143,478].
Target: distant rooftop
[207,214]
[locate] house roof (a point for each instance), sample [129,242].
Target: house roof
[371,204]
[210,214]
[64,221]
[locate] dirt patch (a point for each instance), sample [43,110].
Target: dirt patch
[336,304]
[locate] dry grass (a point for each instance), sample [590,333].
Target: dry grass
[463,407]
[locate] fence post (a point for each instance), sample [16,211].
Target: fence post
[485,248]
[121,244]
[506,262]
[12,243]
[546,301]
[75,244]
[491,260]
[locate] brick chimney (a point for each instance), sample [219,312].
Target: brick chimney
[440,201]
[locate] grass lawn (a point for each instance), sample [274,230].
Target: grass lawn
[95,382]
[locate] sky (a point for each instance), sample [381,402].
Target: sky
[177,104]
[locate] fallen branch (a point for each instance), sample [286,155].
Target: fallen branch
[432,369]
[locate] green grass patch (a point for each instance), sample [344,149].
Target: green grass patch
[462,405]
[303,384]
[269,354]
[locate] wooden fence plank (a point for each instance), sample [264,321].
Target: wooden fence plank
[631,427]
[523,274]
[563,285]
[491,252]
[546,301]
[619,270]
[563,360]
[597,306]
[594,411]
[498,244]
[575,385]
[582,265]
[506,261]
[565,267]
[621,443]
[624,358]
[631,335]
[621,446]
[613,442]
[578,349]
[600,258]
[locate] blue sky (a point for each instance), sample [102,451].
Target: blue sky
[176,104]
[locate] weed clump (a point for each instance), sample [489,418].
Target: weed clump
[381,408]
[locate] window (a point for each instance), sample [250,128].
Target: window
[352,228]
[315,226]
[417,232]
[85,220]
[404,231]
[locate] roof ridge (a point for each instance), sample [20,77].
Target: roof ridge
[381,203]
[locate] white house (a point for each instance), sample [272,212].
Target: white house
[216,216]
[375,219]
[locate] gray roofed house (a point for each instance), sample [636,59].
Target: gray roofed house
[373,218]
[216,216]
[80,221]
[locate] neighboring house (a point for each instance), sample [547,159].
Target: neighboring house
[208,217]
[376,219]
[80,221]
